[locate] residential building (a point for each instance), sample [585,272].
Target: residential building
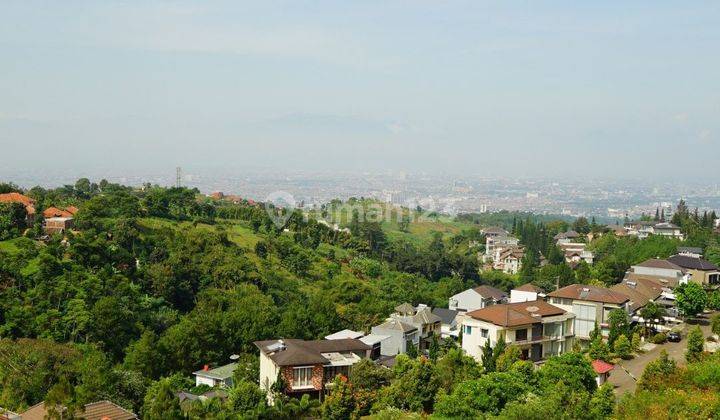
[602,371]
[56,212]
[374,341]
[345,334]
[667,229]
[538,328]
[101,410]
[59,225]
[690,251]
[494,232]
[422,318]
[449,322]
[641,291]
[495,244]
[476,298]
[509,260]
[590,304]
[575,252]
[526,293]
[26,201]
[568,236]
[307,367]
[701,271]
[665,272]
[221,376]
[400,336]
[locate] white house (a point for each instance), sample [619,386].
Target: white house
[526,293]
[476,298]
[591,305]
[219,377]
[539,329]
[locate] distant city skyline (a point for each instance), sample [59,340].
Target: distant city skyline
[606,90]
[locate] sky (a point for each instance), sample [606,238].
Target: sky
[556,88]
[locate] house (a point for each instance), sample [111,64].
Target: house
[26,201]
[526,293]
[495,244]
[449,322]
[422,318]
[701,271]
[689,251]
[641,291]
[538,328]
[476,298]
[60,225]
[509,260]
[642,229]
[617,230]
[219,377]
[568,236]
[575,252]
[307,367]
[101,410]
[400,336]
[602,371]
[590,304]
[56,212]
[667,229]
[494,232]
[374,341]
[665,272]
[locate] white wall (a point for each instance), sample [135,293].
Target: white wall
[268,372]
[473,343]
[522,296]
[468,300]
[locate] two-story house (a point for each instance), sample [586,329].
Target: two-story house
[701,271]
[590,304]
[476,298]
[399,336]
[306,367]
[422,318]
[538,328]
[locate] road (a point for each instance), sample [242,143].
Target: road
[623,382]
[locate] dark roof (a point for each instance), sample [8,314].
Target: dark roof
[490,292]
[291,352]
[516,314]
[692,263]
[567,235]
[529,287]
[495,230]
[447,316]
[657,263]
[589,293]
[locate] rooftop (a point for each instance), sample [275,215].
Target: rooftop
[658,263]
[221,372]
[344,334]
[692,263]
[529,287]
[490,292]
[516,314]
[293,352]
[590,293]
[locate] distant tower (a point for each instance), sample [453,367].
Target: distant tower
[178,177]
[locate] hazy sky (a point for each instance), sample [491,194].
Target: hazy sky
[601,88]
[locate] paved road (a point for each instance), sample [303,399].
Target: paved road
[624,382]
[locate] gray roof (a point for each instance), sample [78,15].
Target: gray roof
[447,316]
[293,352]
[394,324]
[690,249]
[490,292]
[692,263]
[405,308]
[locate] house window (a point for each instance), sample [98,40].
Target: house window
[585,316]
[468,330]
[520,335]
[483,333]
[302,377]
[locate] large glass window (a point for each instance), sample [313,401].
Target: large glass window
[584,319]
[302,377]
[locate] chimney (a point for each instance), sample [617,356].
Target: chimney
[206,368]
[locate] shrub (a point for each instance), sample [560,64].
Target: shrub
[695,345]
[623,347]
[659,338]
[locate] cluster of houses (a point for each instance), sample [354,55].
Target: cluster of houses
[503,251]
[643,229]
[56,220]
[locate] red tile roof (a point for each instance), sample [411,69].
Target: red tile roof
[56,212]
[601,367]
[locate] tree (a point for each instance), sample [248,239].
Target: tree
[690,298]
[715,324]
[508,357]
[161,402]
[657,371]
[488,394]
[619,325]
[695,345]
[602,403]
[623,348]
[340,404]
[599,350]
[414,388]
[246,397]
[570,368]
[635,342]
[650,312]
